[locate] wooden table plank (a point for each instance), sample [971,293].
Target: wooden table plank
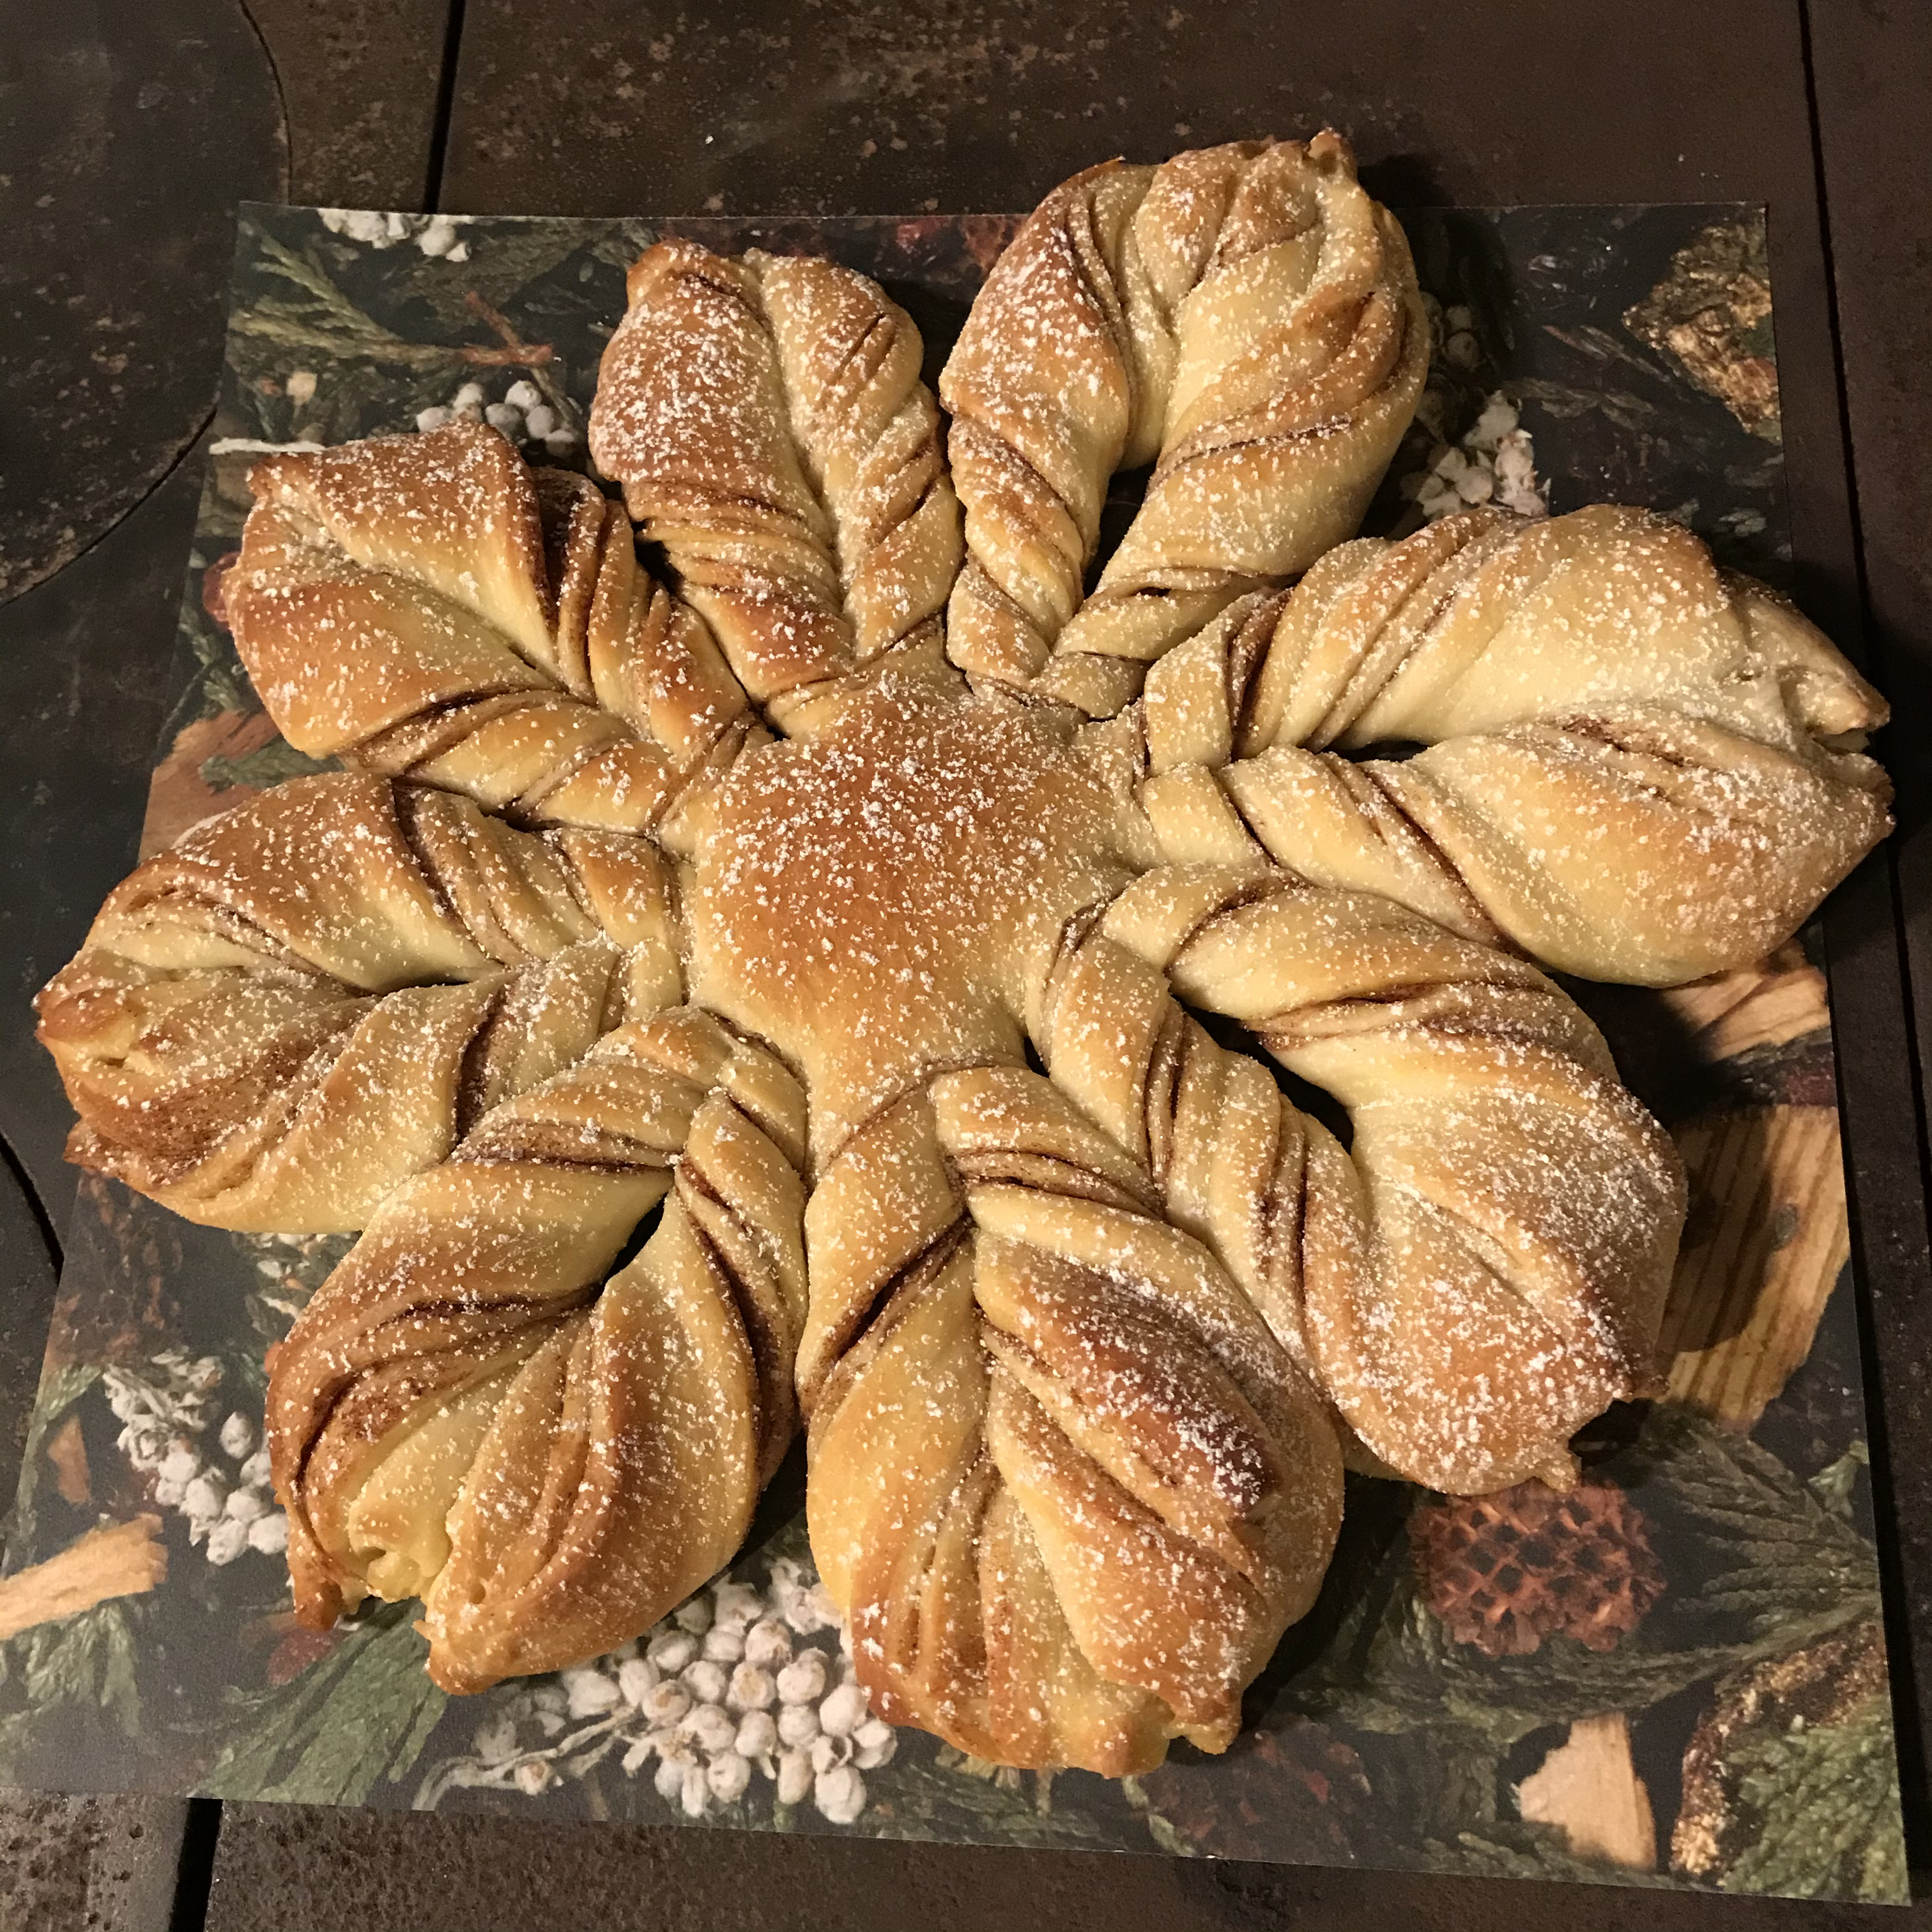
[860,106]
[360,82]
[1872,73]
[105,1864]
[1871,68]
[284,1867]
[126,139]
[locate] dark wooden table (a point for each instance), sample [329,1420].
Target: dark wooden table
[127,133]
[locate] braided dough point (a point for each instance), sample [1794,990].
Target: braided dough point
[1483,1271]
[1246,315]
[766,419]
[262,1032]
[1638,766]
[1066,1486]
[469,1412]
[427,607]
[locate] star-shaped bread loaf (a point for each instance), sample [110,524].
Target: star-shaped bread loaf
[797,947]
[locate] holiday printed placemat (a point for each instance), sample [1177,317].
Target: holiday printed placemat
[1674,1675]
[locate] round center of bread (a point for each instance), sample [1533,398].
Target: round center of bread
[870,900]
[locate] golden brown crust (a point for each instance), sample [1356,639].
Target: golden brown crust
[1068,1475]
[468,1411]
[1482,1269]
[1015,1369]
[1166,1486]
[1246,317]
[1081,1349]
[870,901]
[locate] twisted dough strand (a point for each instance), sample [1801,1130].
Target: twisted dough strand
[766,418]
[428,608]
[469,1412]
[1247,315]
[1482,1269]
[314,995]
[1636,765]
[1066,1485]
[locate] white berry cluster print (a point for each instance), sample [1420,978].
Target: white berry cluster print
[746,1696]
[215,1476]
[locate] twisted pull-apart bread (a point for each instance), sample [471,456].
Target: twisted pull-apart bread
[1484,1270]
[1067,1473]
[468,1411]
[1069,1487]
[1638,767]
[430,608]
[766,421]
[888,1025]
[314,996]
[1245,317]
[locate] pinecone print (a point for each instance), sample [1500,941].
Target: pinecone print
[1504,1571]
